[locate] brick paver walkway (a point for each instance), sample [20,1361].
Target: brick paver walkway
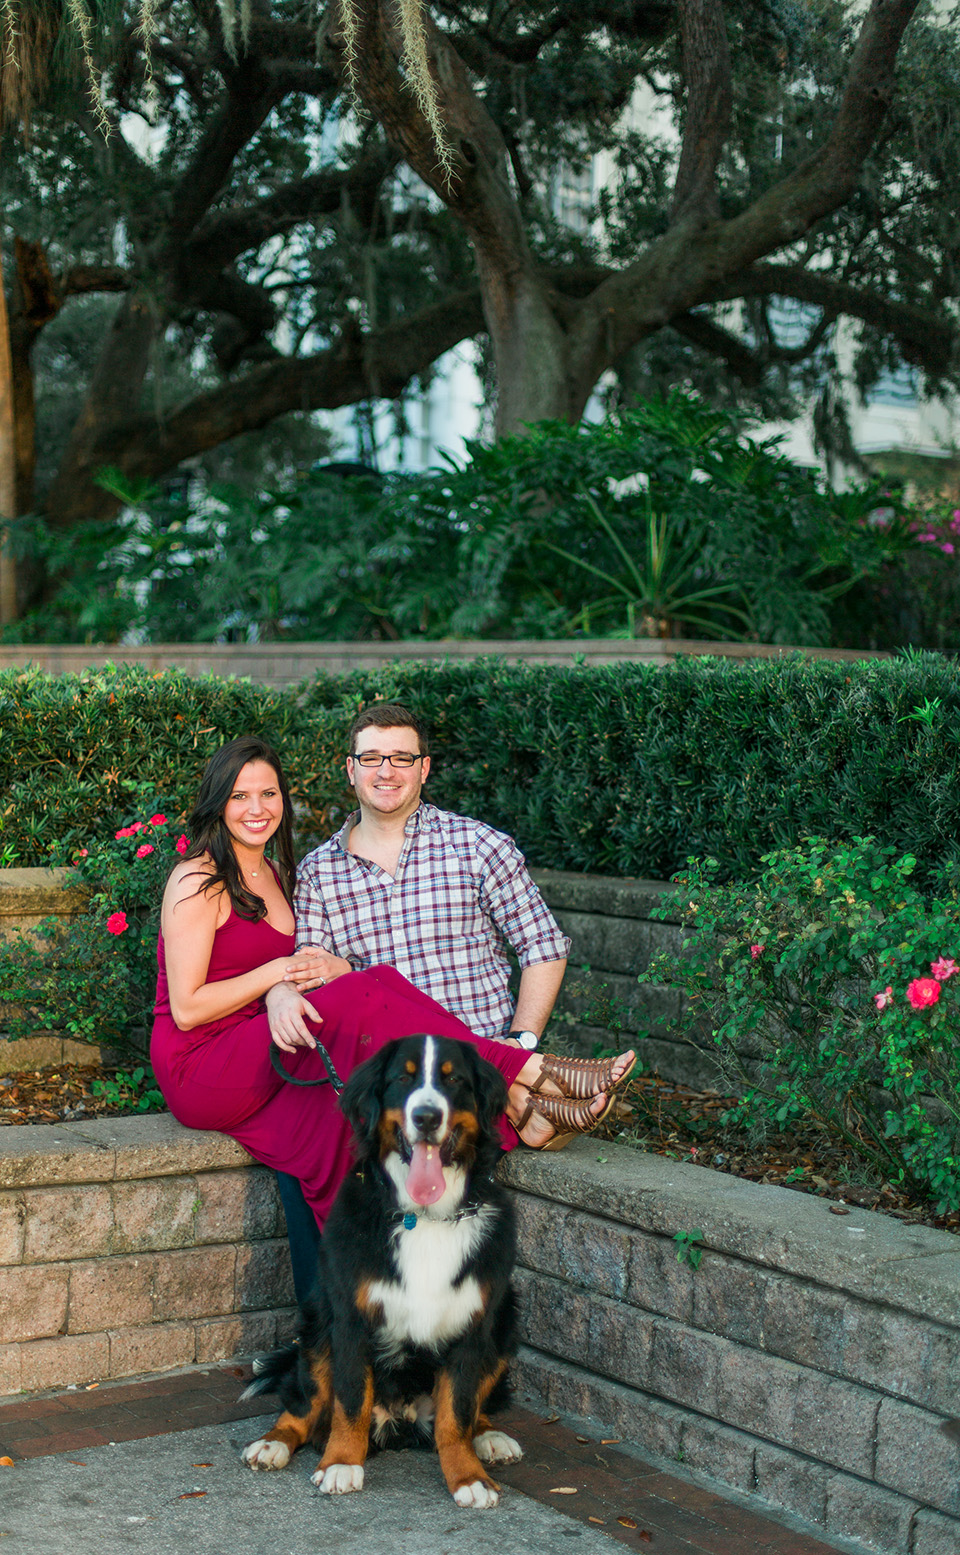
[589,1481]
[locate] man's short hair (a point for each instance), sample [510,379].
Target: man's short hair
[390,715]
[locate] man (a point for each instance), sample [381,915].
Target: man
[432,893]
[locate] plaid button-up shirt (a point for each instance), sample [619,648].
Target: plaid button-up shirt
[460,896]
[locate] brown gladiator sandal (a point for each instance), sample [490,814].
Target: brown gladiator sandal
[581,1078]
[569,1118]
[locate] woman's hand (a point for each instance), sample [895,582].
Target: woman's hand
[327,965]
[288,1013]
[304,969]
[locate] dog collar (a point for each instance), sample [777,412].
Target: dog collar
[408,1218]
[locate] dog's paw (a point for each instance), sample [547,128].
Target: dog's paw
[497,1447]
[478,1494]
[267,1455]
[338,1478]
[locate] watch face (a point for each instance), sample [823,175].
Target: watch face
[526,1039]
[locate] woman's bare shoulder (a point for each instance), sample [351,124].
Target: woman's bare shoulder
[187,883]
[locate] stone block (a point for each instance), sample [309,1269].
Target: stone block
[159,1146]
[619,1343]
[263,1276]
[194,1282]
[757,1393]
[916,1458]
[238,1206]
[223,1338]
[155,1348]
[836,1422]
[158,1213]
[935,1535]
[611,944]
[105,1292]
[901,1354]
[876,1517]
[728,1299]
[33,1302]
[721,1451]
[684,1365]
[12,1216]
[53,1363]
[658,1281]
[539,1229]
[553,1316]
[9,1368]
[67,1222]
[594,1254]
[796,1483]
[649,1422]
[803,1323]
[36,1156]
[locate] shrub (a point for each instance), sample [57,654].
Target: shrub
[94,979]
[843,977]
[622,769]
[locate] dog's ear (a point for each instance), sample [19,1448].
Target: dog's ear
[361,1098]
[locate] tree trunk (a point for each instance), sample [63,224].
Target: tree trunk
[8,484]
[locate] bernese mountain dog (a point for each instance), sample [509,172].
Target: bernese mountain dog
[413,1320]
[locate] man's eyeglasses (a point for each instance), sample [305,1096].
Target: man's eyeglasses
[398,759]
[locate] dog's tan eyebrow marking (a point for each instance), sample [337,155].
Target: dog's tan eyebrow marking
[446,1068]
[410,1066]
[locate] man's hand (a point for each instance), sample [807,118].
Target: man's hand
[288,1013]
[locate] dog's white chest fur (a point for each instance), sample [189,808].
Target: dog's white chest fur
[424,1306]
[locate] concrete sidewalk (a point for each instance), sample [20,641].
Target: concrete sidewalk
[153,1467]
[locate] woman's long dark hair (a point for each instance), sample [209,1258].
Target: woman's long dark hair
[209,834]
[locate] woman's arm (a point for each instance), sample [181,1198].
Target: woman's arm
[189,919]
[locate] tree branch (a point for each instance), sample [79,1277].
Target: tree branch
[926,339]
[709,100]
[357,366]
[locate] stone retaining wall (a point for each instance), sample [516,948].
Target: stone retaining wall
[614,939]
[133,1245]
[27,896]
[811,1360]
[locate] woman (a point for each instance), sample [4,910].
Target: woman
[227,936]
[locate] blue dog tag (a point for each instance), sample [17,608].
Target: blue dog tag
[409,1220]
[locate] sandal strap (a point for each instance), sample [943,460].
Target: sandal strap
[579,1078]
[567,1115]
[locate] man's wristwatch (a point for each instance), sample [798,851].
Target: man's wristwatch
[526,1039]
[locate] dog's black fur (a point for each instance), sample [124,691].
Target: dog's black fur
[409,1322]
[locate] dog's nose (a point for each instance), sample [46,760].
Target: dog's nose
[426,1118]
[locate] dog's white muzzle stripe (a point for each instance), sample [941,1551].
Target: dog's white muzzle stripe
[426,1096]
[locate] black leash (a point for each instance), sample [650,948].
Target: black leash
[330,1078]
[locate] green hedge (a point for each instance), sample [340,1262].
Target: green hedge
[624,769]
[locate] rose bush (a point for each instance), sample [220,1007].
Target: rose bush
[94,979]
[840,976]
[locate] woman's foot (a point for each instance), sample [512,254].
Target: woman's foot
[549,1123]
[543,1073]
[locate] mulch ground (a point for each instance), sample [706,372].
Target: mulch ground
[669,1120]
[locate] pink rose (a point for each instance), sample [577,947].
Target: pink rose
[923,991]
[881,1000]
[182,844]
[144,849]
[158,820]
[83,853]
[756,950]
[137,826]
[943,968]
[125,831]
[117,923]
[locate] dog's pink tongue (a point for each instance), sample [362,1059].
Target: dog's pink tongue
[425,1183]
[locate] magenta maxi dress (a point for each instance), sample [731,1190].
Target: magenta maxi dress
[219,1075]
